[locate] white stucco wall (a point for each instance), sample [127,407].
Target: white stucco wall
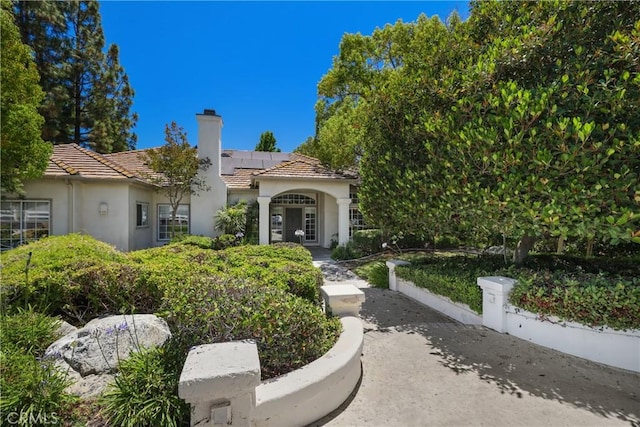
[141,237]
[113,227]
[75,208]
[330,213]
[58,193]
[205,205]
[234,196]
[327,191]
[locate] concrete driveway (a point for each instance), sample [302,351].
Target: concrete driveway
[421,368]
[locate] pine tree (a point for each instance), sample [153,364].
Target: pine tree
[113,117]
[43,27]
[267,142]
[88,95]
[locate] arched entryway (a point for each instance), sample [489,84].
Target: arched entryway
[294,218]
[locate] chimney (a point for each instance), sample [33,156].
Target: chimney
[210,139]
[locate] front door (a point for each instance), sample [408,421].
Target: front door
[293,222]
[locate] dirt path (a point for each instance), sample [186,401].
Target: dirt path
[424,369]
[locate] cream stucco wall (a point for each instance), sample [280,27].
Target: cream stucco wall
[330,213]
[205,205]
[328,194]
[141,237]
[112,227]
[59,194]
[75,207]
[249,196]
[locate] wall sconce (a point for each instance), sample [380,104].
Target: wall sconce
[103,209]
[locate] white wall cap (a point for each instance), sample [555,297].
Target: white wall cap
[396,262]
[496,283]
[220,371]
[342,293]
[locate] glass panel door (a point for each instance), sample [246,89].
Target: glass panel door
[276,224]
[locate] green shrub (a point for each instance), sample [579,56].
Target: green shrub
[368,241]
[75,276]
[232,219]
[145,392]
[29,331]
[225,241]
[189,239]
[348,251]
[446,242]
[591,291]
[288,268]
[454,277]
[590,299]
[376,273]
[289,331]
[31,385]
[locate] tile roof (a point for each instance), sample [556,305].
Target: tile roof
[303,167]
[240,168]
[73,160]
[240,179]
[135,162]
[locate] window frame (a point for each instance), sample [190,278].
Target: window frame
[19,218]
[142,207]
[161,217]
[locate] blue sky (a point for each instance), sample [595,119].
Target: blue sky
[256,63]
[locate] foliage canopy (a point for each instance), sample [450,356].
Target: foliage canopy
[24,153]
[521,121]
[176,168]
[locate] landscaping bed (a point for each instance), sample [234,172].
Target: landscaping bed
[268,293]
[595,292]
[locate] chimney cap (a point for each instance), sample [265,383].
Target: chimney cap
[209,112]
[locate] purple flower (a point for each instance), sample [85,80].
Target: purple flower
[123,326]
[110,330]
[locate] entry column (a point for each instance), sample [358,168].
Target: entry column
[343,220]
[263,228]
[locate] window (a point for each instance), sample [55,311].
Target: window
[293,199]
[142,214]
[356,220]
[276,224]
[353,195]
[22,221]
[165,222]
[310,224]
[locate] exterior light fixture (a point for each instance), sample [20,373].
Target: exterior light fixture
[103,209]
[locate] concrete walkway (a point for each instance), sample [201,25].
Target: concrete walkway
[421,368]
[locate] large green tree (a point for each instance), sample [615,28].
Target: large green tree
[24,153]
[176,168]
[267,142]
[88,96]
[520,121]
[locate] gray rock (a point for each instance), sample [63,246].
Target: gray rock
[87,387]
[65,328]
[101,344]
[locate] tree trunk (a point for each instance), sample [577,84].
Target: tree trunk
[522,250]
[560,245]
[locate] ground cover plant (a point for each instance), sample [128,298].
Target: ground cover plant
[33,389]
[594,292]
[266,293]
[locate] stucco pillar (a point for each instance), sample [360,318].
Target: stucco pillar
[219,382]
[263,228]
[343,220]
[393,280]
[495,298]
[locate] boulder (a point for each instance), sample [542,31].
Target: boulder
[92,353]
[65,328]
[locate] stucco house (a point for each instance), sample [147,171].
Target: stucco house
[108,196]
